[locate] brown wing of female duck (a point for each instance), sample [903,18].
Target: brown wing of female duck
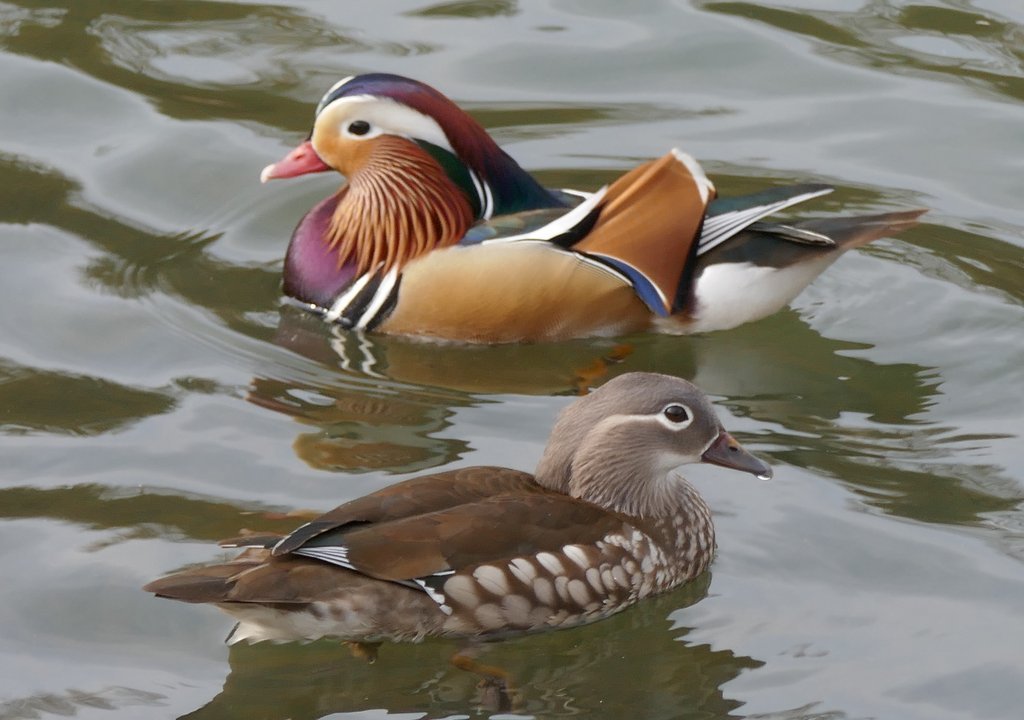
[511,562]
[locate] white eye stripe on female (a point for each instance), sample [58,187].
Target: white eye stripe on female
[675,416]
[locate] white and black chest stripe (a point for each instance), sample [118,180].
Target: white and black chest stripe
[485,198]
[367,300]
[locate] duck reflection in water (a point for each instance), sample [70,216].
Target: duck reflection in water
[382,403]
[640,660]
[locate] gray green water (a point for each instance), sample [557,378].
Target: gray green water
[155,397]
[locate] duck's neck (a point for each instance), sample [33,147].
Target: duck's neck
[399,205]
[686,536]
[600,464]
[624,483]
[659,502]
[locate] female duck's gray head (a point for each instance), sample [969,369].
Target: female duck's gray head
[618,446]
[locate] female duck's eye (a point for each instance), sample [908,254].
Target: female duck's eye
[676,413]
[359,127]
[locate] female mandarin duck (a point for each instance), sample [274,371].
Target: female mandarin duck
[484,551]
[408,246]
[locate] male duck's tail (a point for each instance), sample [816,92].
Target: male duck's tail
[762,268]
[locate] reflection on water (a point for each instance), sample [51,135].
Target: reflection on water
[667,676]
[74,702]
[963,45]
[135,514]
[134,261]
[392,396]
[135,45]
[359,430]
[33,400]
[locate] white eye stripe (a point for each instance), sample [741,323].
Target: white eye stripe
[675,424]
[374,131]
[658,417]
[385,116]
[674,427]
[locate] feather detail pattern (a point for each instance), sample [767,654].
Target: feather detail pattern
[398,207]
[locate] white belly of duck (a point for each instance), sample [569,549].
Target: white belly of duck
[731,294]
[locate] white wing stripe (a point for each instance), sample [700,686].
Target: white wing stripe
[348,296]
[705,186]
[558,226]
[720,228]
[439,598]
[281,541]
[481,195]
[379,298]
[488,200]
[336,555]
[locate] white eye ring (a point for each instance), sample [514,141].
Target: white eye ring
[675,416]
[360,129]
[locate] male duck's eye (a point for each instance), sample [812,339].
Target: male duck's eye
[676,413]
[359,127]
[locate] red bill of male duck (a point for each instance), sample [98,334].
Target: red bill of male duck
[486,552]
[440,233]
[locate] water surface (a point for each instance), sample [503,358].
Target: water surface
[155,396]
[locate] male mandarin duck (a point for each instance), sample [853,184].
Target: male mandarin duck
[413,243]
[485,552]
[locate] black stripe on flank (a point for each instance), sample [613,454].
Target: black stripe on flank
[578,231]
[354,310]
[387,308]
[685,296]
